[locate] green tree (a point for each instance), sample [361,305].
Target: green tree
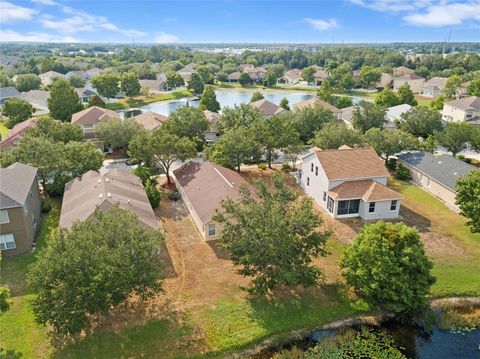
[475,138]
[79,158]
[452,87]
[4,299]
[324,92]
[46,64]
[187,122]
[93,267]
[116,132]
[107,84]
[236,146]
[174,80]
[388,267]
[242,115]
[76,81]
[195,83]
[270,79]
[421,122]
[310,119]
[473,88]
[333,135]
[161,148]
[27,82]
[341,77]
[455,136]
[5,81]
[56,131]
[209,100]
[405,95]
[273,238]
[16,110]
[284,104]
[387,98]
[437,104]
[63,101]
[343,101]
[257,96]
[152,193]
[468,193]
[307,74]
[369,76]
[387,143]
[368,116]
[130,85]
[206,74]
[244,79]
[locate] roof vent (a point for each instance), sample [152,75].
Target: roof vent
[109,195]
[129,202]
[99,180]
[107,180]
[455,173]
[439,162]
[100,195]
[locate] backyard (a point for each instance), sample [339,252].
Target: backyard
[204,310]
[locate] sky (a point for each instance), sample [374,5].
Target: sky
[246,21]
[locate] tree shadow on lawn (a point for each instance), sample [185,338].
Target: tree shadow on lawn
[220,252]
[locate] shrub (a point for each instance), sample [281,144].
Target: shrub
[46,205]
[392,164]
[152,193]
[144,173]
[262,166]
[286,167]
[173,195]
[464,159]
[57,187]
[402,173]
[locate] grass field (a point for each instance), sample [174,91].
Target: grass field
[144,100]
[3,129]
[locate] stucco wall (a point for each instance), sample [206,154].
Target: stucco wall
[452,114]
[415,85]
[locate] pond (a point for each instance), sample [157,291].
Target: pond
[227,98]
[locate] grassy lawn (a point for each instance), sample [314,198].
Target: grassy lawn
[3,129]
[458,269]
[140,101]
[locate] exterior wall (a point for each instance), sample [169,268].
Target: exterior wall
[21,225]
[196,219]
[454,114]
[218,230]
[443,193]
[211,136]
[432,93]
[415,85]
[382,210]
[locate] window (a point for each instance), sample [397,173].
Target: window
[316,170]
[429,181]
[211,230]
[371,208]
[420,177]
[393,205]
[88,126]
[324,196]
[308,181]
[7,241]
[4,216]
[348,207]
[25,208]
[311,167]
[330,204]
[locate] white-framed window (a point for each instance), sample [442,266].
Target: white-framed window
[316,170]
[88,126]
[429,181]
[324,196]
[7,241]
[393,205]
[371,207]
[330,204]
[25,208]
[211,230]
[4,216]
[308,181]
[420,177]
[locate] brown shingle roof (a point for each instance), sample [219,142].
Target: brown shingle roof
[92,115]
[267,108]
[150,120]
[91,190]
[409,77]
[206,184]
[353,163]
[15,184]
[315,102]
[367,190]
[17,132]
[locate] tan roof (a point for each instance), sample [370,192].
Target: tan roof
[206,184]
[92,115]
[402,70]
[150,120]
[466,103]
[211,116]
[17,132]
[320,74]
[15,185]
[437,81]
[314,102]
[267,108]
[409,77]
[91,190]
[367,190]
[353,163]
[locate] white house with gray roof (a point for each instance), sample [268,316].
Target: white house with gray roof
[464,109]
[436,174]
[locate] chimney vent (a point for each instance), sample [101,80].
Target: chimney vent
[109,195]
[100,195]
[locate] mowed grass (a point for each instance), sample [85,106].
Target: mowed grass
[3,129]
[456,275]
[127,103]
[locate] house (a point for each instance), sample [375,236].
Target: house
[77,73]
[154,85]
[349,183]
[48,77]
[202,187]
[319,76]
[150,120]
[8,61]
[38,99]
[436,174]
[17,132]
[414,81]
[187,71]
[394,114]
[347,115]
[257,74]
[89,118]
[317,102]
[267,108]
[464,109]
[434,87]
[234,76]
[212,134]
[386,81]
[246,67]
[292,76]
[6,93]
[161,76]
[88,74]
[402,71]
[84,194]
[20,207]
[85,93]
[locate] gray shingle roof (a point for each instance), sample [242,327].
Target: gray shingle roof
[15,184]
[7,92]
[444,169]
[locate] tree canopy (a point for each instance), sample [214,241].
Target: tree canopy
[333,135]
[455,136]
[17,110]
[421,122]
[27,82]
[116,132]
[63,101]
[310,119]
[368,116]
[130,85]
[209,100]
[387,143]
[405,95]
[174,80]
[257,96]
[196,83]
[467,199]
[107,84]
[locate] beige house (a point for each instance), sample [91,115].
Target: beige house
[203,185]
[464,109]
[415,82]
[292,76]
[386,81]
[402,70]
[89,119]
[319,76]
[150,120]
[84,194]
[154,85]
[349,182]
[187,71]
[436,174]
[20,207]
[434,87]
[267,108]
[317,102]
[212,134]
[47,77]
[17,132]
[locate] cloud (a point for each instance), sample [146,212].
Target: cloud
[12,36]
[164,38]
[10,13]
[169,19]
[446,14]
[392,5]
[45,2]
[321,25]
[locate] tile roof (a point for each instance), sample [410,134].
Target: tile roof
[367,190]
[17,132]
[444,169]
[150,120]
[15,185]
[267,108]
[206,184]
[91,190]
[315,102]
[351,163]
[466,103]
[92,114]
